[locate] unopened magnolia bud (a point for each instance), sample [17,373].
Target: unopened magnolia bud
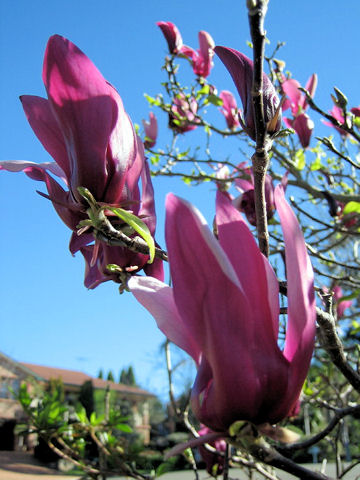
[340,100]
[241,69]
[279,65]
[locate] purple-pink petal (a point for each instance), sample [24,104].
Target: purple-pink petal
[341,305]
[338,114]
[172,36]
[151,130]
[291,89]
[241,69]
[355,111]
[66,208]
[158,299]
[41,118]
[304,126]
[248,263]
[229,109]
[147,209]
[310,86]
[85,110]
[300,332]
[124,156]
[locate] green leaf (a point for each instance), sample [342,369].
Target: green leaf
[357,121]
[81,414]
[351,296]
[352,207]
[139,226]
[207,130]
[236,427]
[124,428]
[186,180]
[152,100]
[307,388]
[96,420]
[316,164]
[300,159]
[154,159]
[188,454]
[166,467]
[215,100]
[205,90]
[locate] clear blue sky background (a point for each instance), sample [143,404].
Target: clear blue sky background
[47,315]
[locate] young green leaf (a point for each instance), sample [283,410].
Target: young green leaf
[139,226]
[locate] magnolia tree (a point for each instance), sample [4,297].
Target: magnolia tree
[270,344]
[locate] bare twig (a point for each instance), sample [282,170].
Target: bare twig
[169,372]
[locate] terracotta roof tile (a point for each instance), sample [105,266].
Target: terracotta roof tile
[76,378]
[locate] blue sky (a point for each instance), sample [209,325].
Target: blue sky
[47,315]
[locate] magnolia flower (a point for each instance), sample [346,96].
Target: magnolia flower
[303,126]
[241,69]
[201,59]
[84,127]
[172,36]
[246,201]
[151,131]
[229,110]
[296,101]
[341,305]
[182,117]
[355,111]
[213,460]
[338,114]
[223,310]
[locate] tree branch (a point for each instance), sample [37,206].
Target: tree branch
[331,343]
[270,456]
[338,415]
[256,13]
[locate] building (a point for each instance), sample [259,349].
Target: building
[13,373]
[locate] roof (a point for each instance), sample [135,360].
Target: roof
[77,378]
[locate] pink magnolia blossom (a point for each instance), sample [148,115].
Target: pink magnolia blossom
[241,69]
[355,111]
[84,127]
[182,117]
[223,310]
[151,131]
[214,461]
[303,126]
[338,114]
[201,59]
[341,306]
[246,201]
[296,101]
[172,36]
[348,220]
[230,110]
